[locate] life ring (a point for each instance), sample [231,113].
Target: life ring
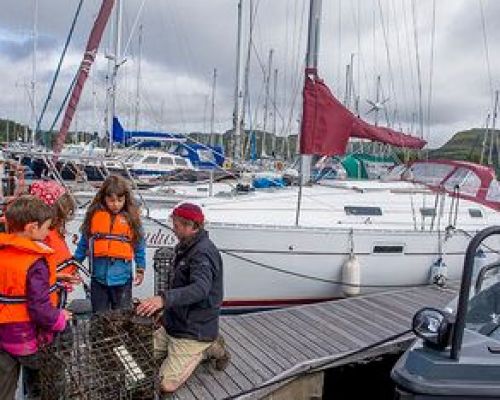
[228,164]
[278,165]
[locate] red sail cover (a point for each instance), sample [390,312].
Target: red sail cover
[327,124]
[83,73]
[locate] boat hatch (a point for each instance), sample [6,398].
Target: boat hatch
[428,212]
[356,210]
[475,213]
[388,249]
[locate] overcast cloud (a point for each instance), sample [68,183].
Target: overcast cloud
[184,40]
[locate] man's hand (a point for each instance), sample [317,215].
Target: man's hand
[139,277]
[150,306]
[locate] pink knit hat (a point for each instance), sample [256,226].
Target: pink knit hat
[47,191]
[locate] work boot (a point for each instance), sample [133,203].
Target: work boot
[218,354]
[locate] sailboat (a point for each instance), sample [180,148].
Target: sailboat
[323,241]
[315,242]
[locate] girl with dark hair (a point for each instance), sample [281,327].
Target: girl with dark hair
[112,236]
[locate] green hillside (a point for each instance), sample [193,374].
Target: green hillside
[467,145]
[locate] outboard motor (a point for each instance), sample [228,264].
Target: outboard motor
[457,354]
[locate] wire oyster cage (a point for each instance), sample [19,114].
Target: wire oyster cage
[107,356]
[162,265]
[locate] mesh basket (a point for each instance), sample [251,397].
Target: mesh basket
[163,266]
[108,356]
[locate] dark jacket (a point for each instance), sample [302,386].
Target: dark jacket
[194,300]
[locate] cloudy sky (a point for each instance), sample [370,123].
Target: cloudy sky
[448,83]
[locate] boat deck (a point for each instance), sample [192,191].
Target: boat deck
[271,346]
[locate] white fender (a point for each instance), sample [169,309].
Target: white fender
[439,272]
[351,275]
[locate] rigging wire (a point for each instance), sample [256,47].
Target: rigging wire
[58,69]
[431,69]
[419,76]
[298,71]
[400,62]
[486,51]
[339,54]
[413,89]
[132,30]
[387,53]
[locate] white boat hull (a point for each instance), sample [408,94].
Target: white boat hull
[269,266]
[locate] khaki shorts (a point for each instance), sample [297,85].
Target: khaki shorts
[182,357]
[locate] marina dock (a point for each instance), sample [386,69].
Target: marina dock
[283,353]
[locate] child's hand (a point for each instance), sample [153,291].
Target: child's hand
[67,315]
[74,279]
[139,277]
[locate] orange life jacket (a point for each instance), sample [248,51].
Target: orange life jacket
[62,259]
[111,236]
[17,255]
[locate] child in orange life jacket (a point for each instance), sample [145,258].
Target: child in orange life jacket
[28,312]
[55,195]
[112,236]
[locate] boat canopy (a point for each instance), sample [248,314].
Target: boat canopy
[461,178]
[130,137]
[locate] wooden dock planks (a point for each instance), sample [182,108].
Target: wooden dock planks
[271,344]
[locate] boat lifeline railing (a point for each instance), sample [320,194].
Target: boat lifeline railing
[463,300]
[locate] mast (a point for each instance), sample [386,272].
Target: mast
[377,100]
[493,124]
[235,145]
[83,72]
[33,76]
[485,138]
[274,110]
[266,103]
[212,114]
[116,62]
[246,92]
[138,83]
[311,62]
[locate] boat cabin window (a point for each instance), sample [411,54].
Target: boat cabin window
[133,158]
[428,212]
[355,210]
[387,249]
[181,162]
[394,173]
[475,213]
[429,173]
[206,155]
[467,181]
[493,193]
[166,161]
[150,160]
